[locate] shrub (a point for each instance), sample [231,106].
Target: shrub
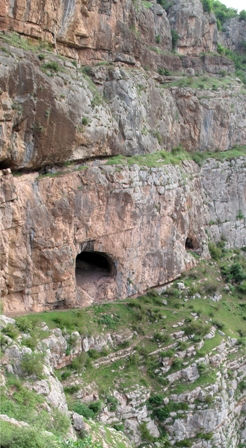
[84,410]
[86,442]
[164,72]
[234,273]
[52,66]
[242,15]
[209,399]
[205,435]
[79,362]
[72,389]
[218,24]
[168,354]
[24,324]
[207,5]
[133,359]
[218,324]
[202,368]
[197,328]
[177,362]
[85,121]
[95,406]
[59,424]
[240,215]
[210,288]
[155,400]
[242,386]
[11,331]
[112,403]
[118,426]
[145,434]
[166,4]
[220,49]
[161,413]
[242,287]
[65,375]
[32,364]
[184,443]
[14,437]
[110,321]
[158,337]
[175,38]
[88,411]
[215,252]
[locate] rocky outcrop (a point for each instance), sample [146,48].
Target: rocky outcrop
[197,31]
[141,219]
[233,34]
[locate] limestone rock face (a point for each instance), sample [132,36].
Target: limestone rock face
[137,217]
[100,30]
[197,30]
[128,32]
[52,116]
[233,34]
[42,116]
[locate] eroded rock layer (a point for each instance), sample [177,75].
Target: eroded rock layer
[52,112]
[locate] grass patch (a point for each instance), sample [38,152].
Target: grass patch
[156,159]
[203,82]
[176,157]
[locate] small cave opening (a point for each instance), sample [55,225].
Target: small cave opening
[93,271]
[191,243]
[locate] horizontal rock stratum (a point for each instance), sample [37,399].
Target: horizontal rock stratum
[52,111]
[145,222]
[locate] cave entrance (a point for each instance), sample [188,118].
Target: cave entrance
[191,243]
[94,272]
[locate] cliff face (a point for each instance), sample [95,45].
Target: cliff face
[55,111]
[80,82]
[52,112]
[144,219]
[122,31]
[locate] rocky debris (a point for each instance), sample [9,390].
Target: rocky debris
[211,334]
[77,422]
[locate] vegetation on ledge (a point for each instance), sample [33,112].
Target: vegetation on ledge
[176,156]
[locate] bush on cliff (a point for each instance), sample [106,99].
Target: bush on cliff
[242,15]
[207,5]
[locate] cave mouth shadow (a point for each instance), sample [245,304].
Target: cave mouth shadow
[191,244]
[93,267]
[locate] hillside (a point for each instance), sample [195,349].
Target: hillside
[167,368]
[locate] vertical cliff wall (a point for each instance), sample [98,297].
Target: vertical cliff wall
[145,220]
